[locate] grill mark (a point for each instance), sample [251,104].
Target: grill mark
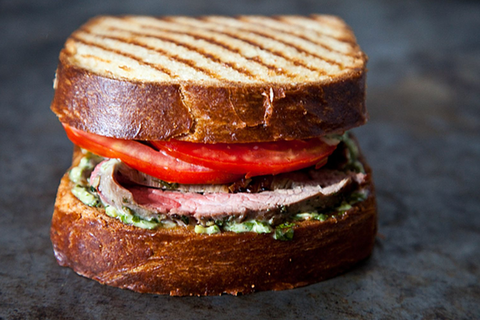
[327,47]
[282,20]
[274,68]
[164,52]
[151,65]
[274,52]
[192,48]
[91,56]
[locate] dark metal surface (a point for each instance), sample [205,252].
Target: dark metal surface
[423,142]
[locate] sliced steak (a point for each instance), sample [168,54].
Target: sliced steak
[295,192]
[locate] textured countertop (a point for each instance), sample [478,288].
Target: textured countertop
[422,140]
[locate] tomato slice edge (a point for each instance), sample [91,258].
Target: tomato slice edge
[251,158]
[145,159]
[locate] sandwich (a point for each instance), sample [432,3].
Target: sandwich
[212,154]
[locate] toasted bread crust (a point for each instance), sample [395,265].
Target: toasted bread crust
[211,111]
[180,262]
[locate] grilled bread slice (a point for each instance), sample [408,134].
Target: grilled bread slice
[212,79]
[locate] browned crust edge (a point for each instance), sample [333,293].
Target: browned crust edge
[207,112]
[181,262]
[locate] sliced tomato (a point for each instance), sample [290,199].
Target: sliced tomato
[252,159]
[148,160]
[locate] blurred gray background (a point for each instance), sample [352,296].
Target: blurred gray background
[422,141]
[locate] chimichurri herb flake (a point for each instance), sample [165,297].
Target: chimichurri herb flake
[284,232]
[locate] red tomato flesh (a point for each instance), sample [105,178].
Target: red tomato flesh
[148,160]
[252,159]
[198,163]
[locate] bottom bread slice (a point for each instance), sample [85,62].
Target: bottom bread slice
[181,262]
